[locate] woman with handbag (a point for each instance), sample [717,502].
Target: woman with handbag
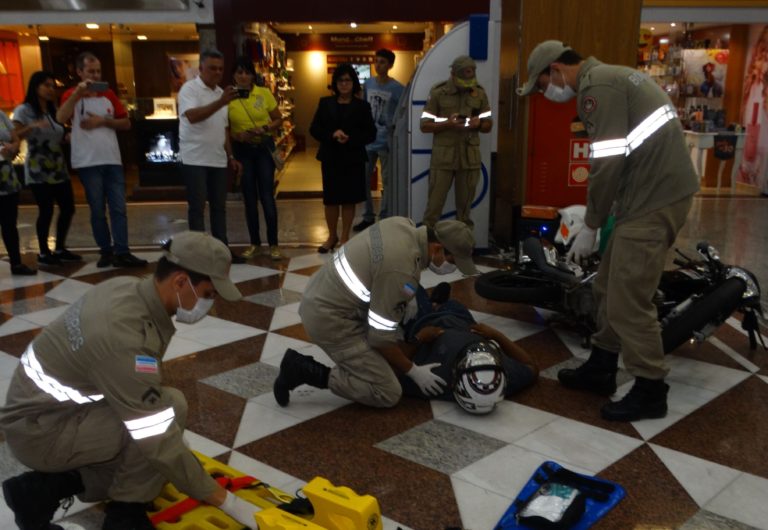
[9,196]
[253,120]
[343,125]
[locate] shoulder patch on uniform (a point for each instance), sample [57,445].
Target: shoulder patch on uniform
[146,364]
[151,396]
[588,104]
[409,290]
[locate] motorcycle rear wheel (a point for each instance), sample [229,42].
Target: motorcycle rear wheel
[715,306]
[515,286]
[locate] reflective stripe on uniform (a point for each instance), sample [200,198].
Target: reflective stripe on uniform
[426,115]
[486,114]
[638,135]
[151,425]
[349,278]
[379,322]
[48,384]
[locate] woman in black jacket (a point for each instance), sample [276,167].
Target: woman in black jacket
[343,125]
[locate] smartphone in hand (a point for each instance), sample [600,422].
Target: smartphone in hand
[98,86]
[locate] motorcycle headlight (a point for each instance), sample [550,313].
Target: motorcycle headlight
[753,289]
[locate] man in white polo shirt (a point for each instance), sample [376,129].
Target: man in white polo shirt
[204,145]
[96,114]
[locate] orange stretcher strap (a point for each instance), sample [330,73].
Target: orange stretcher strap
[175,511]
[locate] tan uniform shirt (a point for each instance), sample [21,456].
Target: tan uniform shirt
[455,148]
[106,347]
[380,271]
[639,159]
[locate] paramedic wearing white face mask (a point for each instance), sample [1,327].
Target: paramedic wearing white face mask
[353,307]
[640,173]
[87,410]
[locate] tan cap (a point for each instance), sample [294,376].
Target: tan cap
[198,252]
[541,57]
[457,238]
[461,62]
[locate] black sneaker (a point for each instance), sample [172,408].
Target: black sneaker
[34,497]
[126,516]
[66,255]
[128,260]
[105,261]
[48,259]
[362,225]
[22,270]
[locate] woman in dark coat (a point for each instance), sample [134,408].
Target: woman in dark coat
[343,125]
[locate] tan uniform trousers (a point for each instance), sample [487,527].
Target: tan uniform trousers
[361,373]
[95,442]
[629,274]
[440,180]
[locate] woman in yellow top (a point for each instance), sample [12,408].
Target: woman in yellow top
[253,119]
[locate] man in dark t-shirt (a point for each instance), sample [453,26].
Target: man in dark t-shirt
[441,333]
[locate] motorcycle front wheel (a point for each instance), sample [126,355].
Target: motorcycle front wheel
[714,307]
[517,286]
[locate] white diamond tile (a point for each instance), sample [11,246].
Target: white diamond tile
[69,290]
[179,347]
[203,445]
[704,375]
[258,421]
[308,260]
[276,344]
[44,317]
[744,500]
[479,507]
[16,325]
[306,402]
[513,329]
[244,272]
[508,423]
[8,281]
[295,282]
[213,331]
[265,473]
[284,317]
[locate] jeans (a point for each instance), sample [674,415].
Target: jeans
[207,183]
[258,184]
[383,157]
[100,183]
[45,196]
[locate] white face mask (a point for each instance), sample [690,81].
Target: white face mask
[446,268]
[190,316]
[559,94]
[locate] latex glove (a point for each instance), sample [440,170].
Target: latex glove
[429,382]
[583,245]
[240,510]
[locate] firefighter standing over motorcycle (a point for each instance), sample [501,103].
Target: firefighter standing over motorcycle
[642,174]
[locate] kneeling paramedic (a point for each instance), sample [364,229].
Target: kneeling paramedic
[353,306]
[86,408]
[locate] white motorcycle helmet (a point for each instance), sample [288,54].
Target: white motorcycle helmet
[478,379]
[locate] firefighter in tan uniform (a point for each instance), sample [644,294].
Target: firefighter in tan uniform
[353,306]
[457,110]
[640,173]
[86,408]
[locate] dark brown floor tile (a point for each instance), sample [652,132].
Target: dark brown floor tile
[213,361]
[308,271]
[296,331]
[16,344]
[242,312]
[546,348]
[729,430]
[707,352]
[407,492]
[654,496]
[464,292]
[259,285]
[212,413]
[98,277]
[551,396]
[31,291]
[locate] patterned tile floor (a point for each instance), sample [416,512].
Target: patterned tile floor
[430,465]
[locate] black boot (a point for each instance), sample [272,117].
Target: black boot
[646,399]
[597,374]
[126,516]
[297,369]
[34,496]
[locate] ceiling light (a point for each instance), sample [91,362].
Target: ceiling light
[43,37]
[309,28]
[672,24]
[85,37]
[141,37]
[663,41]
[353,25]
[653,28]
[394,26]
[91,25]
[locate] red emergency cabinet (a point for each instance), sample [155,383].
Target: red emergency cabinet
[558,154]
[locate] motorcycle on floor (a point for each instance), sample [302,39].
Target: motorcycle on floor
[692,300]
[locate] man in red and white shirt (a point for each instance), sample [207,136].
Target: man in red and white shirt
[96,114]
